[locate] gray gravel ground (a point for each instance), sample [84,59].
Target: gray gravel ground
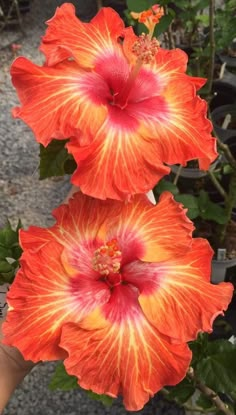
[23,195]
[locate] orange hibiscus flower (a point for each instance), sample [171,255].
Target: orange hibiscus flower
[117,289]
[127,104]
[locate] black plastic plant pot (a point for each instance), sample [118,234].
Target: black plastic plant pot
[229,78]
[231,142]
[189,178]
[224,91]
[229,60]
[224,270]
[230,315]
[188,173]
[218,117]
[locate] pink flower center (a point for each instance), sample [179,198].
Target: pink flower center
[145,49]
[107,261]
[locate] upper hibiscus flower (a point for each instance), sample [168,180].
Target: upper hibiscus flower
[125,103]
[117,289]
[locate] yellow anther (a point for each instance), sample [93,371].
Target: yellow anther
[107,258]
[145,48]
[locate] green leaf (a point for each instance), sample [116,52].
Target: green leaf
[210,210]
[202,4]
[61,379]
[138,5]
[5,252]
[227,169]
[10,252]
[198,348]
[106,400]
[8,237]
[69,165]
[204,19]
[19,226]
[16,252]
[219,346]
[191,203]
[7,277]
[165,185]
[203,199]
[214,212]
[141,28]
[5,267]
[53,159]
[163,25]
[204,402]
[181,392]
[218,369]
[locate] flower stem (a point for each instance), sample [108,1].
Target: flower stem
[217,185]
[177,175]
[230,202]
[187,406]
[228,155]
[209,393]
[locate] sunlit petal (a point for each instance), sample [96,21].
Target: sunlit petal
[119,162]
[42,298]
[152,232]
[176,296]
[67,36]
[58,102]
[116,351]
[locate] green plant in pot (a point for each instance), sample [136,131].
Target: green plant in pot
[224,121]
[225,18]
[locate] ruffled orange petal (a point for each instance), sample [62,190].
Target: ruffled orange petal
[58,102]
[115,351]
[170,62]
[117,164]
[79,229]
[184,133]
[57,282]
[42,298]
[190,128]
[151,232]
[176,296]
[67,36]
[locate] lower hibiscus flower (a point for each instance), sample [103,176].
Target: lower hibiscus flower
[116,289]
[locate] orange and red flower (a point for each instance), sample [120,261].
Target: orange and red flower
[115,289]
[150,17]
[127,105]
